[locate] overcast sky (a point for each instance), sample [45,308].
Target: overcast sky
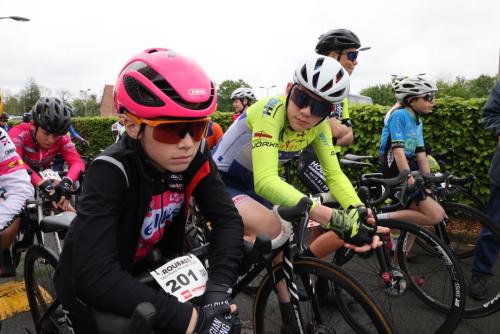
[76,45]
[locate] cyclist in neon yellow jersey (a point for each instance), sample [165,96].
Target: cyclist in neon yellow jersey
[344,46]
[273,131]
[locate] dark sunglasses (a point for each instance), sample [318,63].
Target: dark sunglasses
[429,97]
[318,108]
[172,133]
[352,55]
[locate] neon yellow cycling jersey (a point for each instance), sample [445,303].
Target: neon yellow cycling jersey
[255,144]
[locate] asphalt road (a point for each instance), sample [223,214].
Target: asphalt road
[489,325]
[21,322]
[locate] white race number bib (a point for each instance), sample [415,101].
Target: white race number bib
[183,277]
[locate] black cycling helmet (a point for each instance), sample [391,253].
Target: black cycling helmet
[4,117]
[51,114]
[337,40]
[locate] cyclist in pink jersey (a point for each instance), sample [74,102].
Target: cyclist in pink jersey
[38,142]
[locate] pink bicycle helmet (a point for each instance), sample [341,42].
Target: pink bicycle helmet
[160,83]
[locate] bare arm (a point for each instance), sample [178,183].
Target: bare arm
[423,163]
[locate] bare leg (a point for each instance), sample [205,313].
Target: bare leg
[427,213]
[9,233]
[257,219]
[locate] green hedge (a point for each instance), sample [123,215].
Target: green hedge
[454,122]
[97,130]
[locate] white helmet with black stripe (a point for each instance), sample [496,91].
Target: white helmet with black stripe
[324,77]
[243,93]
[413,86]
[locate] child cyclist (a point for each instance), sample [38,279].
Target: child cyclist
[402,140]
[135,200]
[39,141]
[273,131]
[242,98]
[15,189]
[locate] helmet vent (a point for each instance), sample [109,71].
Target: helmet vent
[315,79]
[140,94]
[327,86]
[337,93]
[340,75]
[303,73]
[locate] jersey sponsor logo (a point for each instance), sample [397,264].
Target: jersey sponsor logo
[262,134]
[264,144]
[10,151]
[163,208]
[323,139]
[294,144]
[270,106]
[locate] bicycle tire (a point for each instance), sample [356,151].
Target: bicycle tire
[267,317]
[394,294]
[464,225]
[460,194]
[39,267]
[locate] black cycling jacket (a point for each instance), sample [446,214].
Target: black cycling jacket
[491,120]
[96,263]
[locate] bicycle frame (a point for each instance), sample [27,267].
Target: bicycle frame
[289,256]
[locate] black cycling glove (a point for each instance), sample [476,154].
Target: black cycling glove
[46,188]
[215,292]
[216,318]
[351,226]
[64,187]
[216,311]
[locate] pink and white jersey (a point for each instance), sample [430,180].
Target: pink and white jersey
[163,208]
[39,159]
[14,180]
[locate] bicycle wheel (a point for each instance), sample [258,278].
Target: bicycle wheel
[464,225]
[413,275]
[39,268]
[320,319]
[459,194]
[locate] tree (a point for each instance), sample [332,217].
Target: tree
[89,105]
[381,94]
[64,95]
[225,89]
[12,106]
[29,95]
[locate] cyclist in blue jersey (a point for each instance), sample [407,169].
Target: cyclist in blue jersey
[402,140]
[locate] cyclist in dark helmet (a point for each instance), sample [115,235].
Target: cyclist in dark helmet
[39,141]
[4,118]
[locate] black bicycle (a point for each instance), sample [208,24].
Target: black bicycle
[45,308]
[401,274]
[356,312]
[460,231]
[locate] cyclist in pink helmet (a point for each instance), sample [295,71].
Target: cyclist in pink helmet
[136,197]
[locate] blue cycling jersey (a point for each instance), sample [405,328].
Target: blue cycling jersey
[403,129]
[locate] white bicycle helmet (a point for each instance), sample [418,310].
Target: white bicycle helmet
[412,86]
[397,78]
[243,93]
[324,77]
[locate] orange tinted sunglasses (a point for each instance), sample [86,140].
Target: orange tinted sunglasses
[173,131]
